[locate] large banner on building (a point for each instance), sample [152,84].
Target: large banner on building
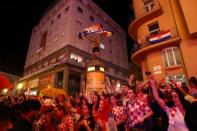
[45,81]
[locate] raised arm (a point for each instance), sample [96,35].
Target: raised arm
[156,95]
[143,83]
[130,80]
[108,81]
[108,84]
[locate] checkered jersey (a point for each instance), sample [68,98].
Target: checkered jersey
[67,122]
[135,111]
[118,113]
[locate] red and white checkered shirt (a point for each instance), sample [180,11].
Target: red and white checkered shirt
[118,113]
[67,122]
[135,111]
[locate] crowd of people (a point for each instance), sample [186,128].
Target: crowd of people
[139,106]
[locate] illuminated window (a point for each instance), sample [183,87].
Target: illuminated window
[102,69]
[91,69]
[75,57]
[171,57]
[102,46]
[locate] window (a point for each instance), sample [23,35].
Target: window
[78,22]
[91,18]
[154,28]
[52,22]
[171,57]
[79,10]
[149,5]
[76,58]
[66,9]
[11,81]
[43,39]
[74,84]
[102,46]
[124,58]
[59,79]
[58,16]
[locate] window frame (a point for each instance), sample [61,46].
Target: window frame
[152,32]
[148,4]
[165,52]
[80,10]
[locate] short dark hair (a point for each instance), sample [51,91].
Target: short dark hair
[193,80]
[89,106]
[126,84]
[62,108]
[5,112]
[29,105]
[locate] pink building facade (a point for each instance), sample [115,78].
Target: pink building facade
[58,57]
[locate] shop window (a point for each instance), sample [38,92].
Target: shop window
[59,79]
[176,77]
[154,28]
[171,57]
[74,84]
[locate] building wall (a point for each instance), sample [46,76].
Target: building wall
[12,78]
[188,49]
[165,20]
[180,18]
[57,36]
[63,21]
[190,14]
[64,28]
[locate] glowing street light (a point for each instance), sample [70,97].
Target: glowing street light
[5,91]
[20,86]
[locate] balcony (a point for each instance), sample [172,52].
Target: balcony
[155,42]
[142,15]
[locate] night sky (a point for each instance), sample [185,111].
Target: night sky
[18,17]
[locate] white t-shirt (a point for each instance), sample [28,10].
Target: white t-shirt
[176,119]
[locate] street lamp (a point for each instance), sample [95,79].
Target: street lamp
[5,91]
[20,86]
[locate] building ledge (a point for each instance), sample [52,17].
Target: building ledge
[140,19]
[173,67]
[138,55]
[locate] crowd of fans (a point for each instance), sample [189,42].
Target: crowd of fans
[139,106]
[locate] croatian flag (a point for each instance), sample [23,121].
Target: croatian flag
[97,28]
[162,36]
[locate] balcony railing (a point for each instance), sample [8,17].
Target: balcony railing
[147,8]
[156,39]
